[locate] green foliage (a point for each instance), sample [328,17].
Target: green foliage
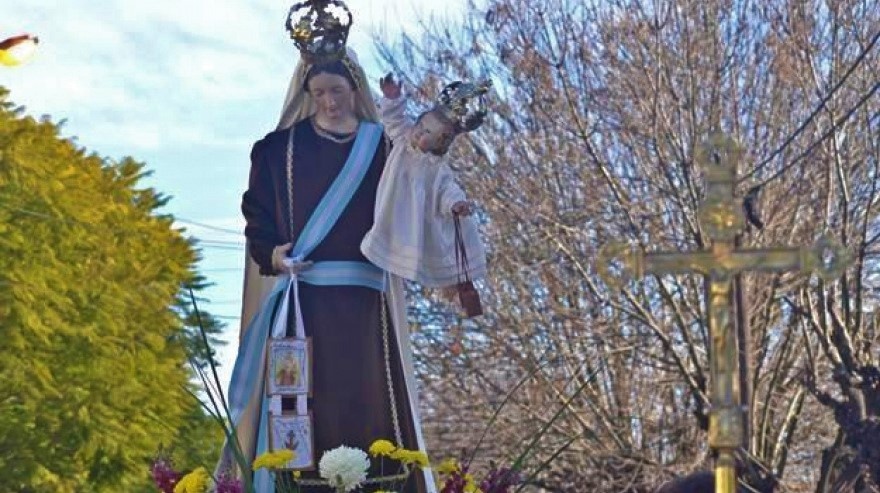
[93,327]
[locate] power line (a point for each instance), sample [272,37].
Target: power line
[41,215]
[208,226]
[222,245]
[821,139]
[818,108]
[210,244]
[225,248]
[237,244]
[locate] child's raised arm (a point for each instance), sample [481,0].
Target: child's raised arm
[392,108]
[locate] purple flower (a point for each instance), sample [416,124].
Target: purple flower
[500,480]
[164,475]
[228,484]
[456,482]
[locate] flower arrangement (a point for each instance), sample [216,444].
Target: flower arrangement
[346,468]
[200,481]
[455,478]
[168,480]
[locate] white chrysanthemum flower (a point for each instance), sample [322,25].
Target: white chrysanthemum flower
[345,467]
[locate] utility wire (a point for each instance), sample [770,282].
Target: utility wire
[840,121]
[201,243]
[208,226]
[816,111]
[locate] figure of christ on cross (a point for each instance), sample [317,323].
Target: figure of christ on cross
[721,218]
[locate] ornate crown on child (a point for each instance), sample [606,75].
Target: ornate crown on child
[464,103]
[319,29]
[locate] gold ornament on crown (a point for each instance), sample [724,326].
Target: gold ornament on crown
[319,29]
[464,104]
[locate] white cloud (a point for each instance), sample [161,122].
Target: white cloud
[163,57]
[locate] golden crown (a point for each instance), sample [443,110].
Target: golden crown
[319,29]
[464,103]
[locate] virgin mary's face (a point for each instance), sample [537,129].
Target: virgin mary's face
[333,95]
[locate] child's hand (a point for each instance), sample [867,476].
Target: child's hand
[390,88]
[462,208]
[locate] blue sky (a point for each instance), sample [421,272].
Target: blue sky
[186,86]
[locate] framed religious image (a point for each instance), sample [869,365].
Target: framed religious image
[293,432]
[288,367]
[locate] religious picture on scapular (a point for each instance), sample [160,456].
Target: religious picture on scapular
[293,432]
[289,367]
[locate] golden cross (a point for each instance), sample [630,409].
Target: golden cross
[721,218]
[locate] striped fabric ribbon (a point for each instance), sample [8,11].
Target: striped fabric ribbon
[248,374]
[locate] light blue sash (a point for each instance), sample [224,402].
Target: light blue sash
[250,363]
[341,191]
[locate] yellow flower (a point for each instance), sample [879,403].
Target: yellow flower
[273,460]
[448,466]
[470,486]
[405,456]
[194,482]
[419,458]
[382,447]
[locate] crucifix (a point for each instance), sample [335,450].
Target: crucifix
[721,218]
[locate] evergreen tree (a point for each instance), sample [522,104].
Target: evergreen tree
[94,324]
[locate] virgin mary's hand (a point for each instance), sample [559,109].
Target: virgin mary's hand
[293,267]
[279,253]
[281,262]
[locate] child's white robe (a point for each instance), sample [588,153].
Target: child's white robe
[413,234]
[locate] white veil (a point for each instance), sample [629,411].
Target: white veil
[298,104]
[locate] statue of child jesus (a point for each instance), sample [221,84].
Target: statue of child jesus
[418,199]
